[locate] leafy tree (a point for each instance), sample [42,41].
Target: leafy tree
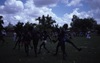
[82,25]
[45,22]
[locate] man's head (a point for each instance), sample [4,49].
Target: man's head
[65,26]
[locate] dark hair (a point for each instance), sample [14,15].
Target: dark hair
[65,26]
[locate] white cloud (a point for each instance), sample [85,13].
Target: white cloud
[13,6]
[2,9]
[72,2]
[96,12]
[75,3]
[98,20]
[10,9]
[16,10]
[95,8]
[68,16]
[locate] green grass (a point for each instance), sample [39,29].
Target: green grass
[90,52]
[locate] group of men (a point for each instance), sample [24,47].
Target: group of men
[28,33]
[25,34]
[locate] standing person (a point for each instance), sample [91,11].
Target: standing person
[44,41]
[26,38]
[61,42]
[62,38]
[2,37]
[35,37]
[19,31]
[1,29]
[88,35]
[14,36]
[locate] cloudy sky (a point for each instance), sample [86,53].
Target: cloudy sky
[60,10]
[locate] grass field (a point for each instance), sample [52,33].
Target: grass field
[90,52]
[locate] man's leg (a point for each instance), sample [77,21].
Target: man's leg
[26,46]
[57,47]
[35,47]
[63,50]
[45,48]
[40,48]
[79,49]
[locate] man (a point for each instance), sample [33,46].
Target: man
[1,29]
[44,40]
[35,37]
[88,35]
[62,38]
